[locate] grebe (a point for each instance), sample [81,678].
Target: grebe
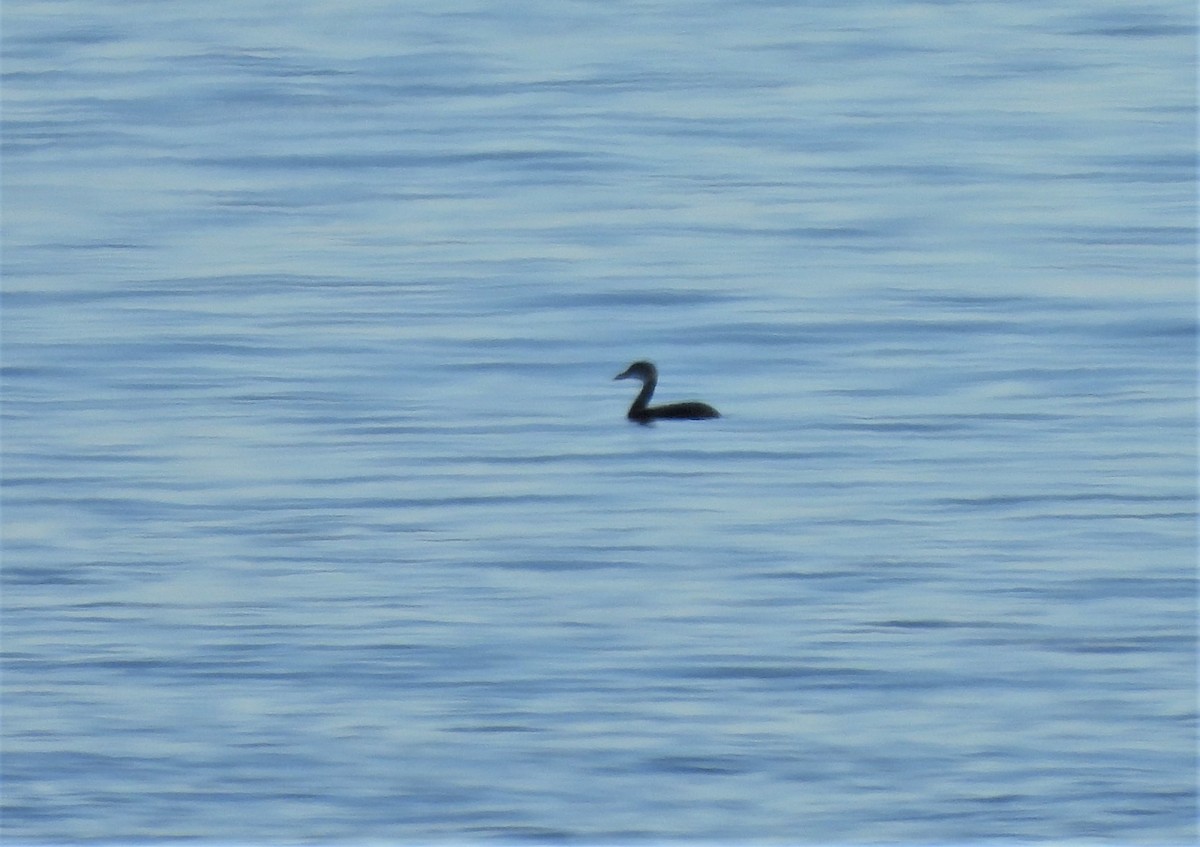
[640,412]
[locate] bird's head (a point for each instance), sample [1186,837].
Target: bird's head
[645,371]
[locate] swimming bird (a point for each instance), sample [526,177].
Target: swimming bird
[643,414]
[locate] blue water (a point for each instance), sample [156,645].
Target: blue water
[322,521]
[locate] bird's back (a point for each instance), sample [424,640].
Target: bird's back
[680,411]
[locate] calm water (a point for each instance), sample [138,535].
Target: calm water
[322,522]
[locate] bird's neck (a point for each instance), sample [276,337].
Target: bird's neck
[643,399]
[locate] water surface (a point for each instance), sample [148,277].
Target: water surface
[321,518]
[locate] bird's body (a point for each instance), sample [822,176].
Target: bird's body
[643,413]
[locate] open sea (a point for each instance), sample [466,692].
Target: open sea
[322,521]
